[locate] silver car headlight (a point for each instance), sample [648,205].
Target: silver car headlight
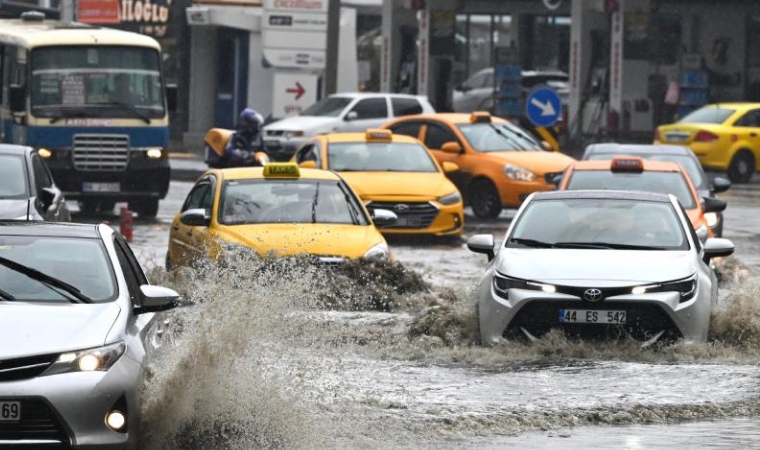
[502,284]
[450,199]
[518,173]
[686,288]
[712,219]
[90,360]
[291,134]
[379,251]
[702,233]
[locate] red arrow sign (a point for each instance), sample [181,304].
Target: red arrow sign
[298,90]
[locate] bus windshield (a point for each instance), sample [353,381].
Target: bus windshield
[96,82]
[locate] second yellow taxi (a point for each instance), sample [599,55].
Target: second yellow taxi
[277,210]
[392,172]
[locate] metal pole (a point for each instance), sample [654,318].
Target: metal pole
[333,37]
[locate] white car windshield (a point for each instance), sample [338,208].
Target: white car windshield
[80,263]
[599,224]
[379,157]
[327,107]
[288,201]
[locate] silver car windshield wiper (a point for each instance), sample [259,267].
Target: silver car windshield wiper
[47,280]
[532,243]
[8,297]
[606,245]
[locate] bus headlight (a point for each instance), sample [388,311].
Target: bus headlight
[45,153]
[154,153]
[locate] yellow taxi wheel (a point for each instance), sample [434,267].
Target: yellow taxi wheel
[484,199]
[742,167]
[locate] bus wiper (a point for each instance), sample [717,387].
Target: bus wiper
[72,115]
[314,202]
[47,280]
[532,243]
[129,107]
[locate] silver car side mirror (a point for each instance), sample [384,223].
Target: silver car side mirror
[157,298]
[717,247]
[482,243]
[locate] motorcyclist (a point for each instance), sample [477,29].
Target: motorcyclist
[244,147]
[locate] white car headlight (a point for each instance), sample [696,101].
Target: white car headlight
[290,134]
[702,233]
[100,359]
[379,251]
[450,199]
[519,173]
[712,219]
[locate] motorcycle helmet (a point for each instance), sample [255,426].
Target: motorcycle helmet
[250,120]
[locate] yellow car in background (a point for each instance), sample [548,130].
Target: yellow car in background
[277,210]
[724,136]
[392,172]
[499,163]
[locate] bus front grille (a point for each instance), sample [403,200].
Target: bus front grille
[101,152]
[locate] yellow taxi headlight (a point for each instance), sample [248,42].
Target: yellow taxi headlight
[45,153]
[450,199]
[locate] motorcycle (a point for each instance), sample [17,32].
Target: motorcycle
[216,140]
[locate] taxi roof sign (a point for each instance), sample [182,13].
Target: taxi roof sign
[376,134]
[627,164]
[281,170]
[480,117]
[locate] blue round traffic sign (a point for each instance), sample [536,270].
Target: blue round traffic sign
[543,107]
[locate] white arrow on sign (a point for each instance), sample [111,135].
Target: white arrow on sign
[547,109]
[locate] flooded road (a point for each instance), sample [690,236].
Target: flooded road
[285,355]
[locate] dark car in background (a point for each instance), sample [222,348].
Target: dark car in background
[673,153]
[27,190]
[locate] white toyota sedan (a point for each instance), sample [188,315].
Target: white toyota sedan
[615,264]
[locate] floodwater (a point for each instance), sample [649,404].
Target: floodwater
[286,355]
[282,354]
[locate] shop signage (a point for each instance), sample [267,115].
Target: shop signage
[295,33]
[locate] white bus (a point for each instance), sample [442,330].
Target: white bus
[93,100]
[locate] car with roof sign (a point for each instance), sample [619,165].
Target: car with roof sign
[705,186]
[276,210]
[500,164]
[392,172]
[636,174]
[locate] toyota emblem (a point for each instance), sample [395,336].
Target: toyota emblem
[592,295]
[401,207]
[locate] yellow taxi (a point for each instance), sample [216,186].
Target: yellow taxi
[276,210]
[392,172]
[499,163]
[633,173]
[724,136]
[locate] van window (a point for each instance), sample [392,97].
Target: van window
[371,108]
[405,106]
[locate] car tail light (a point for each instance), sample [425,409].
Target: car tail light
[705,136]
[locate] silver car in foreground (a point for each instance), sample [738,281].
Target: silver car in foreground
[598,263]
[75,309]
